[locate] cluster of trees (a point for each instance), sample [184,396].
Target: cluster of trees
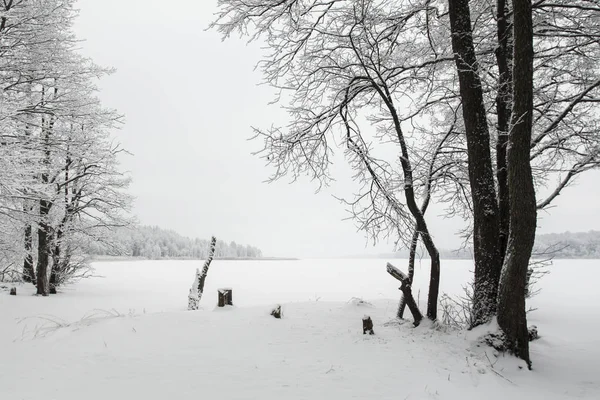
[60,186]
[155,243]
[480,105]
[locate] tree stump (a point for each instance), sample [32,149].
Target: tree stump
[367,325]
[52,289]
[13,291]
[533,333]
[277,313]
[225,297]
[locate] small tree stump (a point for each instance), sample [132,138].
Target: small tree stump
[367,325]
[13,291]
[533,333]
[277,313]
[225,297]
[52,290]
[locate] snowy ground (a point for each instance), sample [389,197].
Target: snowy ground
[141,343]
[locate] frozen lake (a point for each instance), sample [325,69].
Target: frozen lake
[156,349]
[163,285]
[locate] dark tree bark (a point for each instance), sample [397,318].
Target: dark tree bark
[411,303]
[7,6]
[411,271]
[488,262]
[43,287]
[368,326]
[211,253]
[56,262]
[406,293]
[277,312]
[225,297]
[503,108]
[512,316]
[28,270]
[434,277]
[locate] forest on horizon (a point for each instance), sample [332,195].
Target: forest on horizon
[155,243]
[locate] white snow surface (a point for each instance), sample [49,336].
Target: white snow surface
[126,334]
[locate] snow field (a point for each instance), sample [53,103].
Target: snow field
[141,343]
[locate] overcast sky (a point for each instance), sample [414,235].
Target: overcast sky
[190,99]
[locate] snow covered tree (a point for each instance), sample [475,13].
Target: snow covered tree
[194,295]
[154,242]
[197,288]
[62,184]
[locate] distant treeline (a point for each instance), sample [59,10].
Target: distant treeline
[569,244]
[155,243]
[556,245]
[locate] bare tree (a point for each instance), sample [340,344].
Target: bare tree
[513,285]
[340,63]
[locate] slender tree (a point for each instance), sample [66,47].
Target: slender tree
[511,303]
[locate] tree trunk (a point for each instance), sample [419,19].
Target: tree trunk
[411,303]
[435,278]
[56,264]
[503,109]
[198,286]
[43,250]
[406,293]
[512,316]
[211,253]
[488,262]
[411,271]
[43,225]
[28,270]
